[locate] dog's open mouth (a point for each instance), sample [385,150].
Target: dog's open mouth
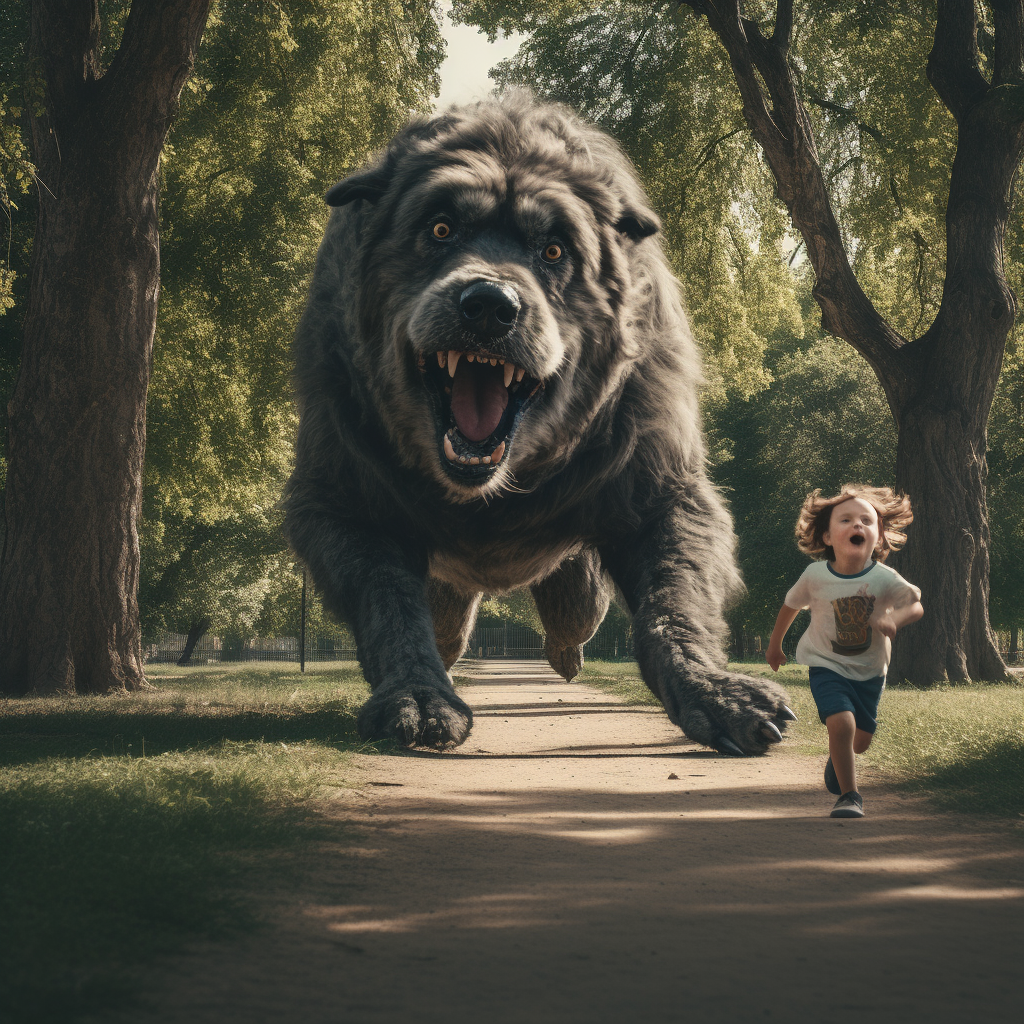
[479,398]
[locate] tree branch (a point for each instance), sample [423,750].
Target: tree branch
[65,38]
[705,154]
[783,31]
[785,134]
[953,63]
[1008,16]
[837,108]
[154,60]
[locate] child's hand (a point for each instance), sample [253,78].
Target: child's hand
[775,657]
[885,625]
[892,620]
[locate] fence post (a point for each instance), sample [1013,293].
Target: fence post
[302,626]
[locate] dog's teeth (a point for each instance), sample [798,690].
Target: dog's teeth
[470,357]
[486,460]
[520,374]
[474,461]
[449,451]
[463,459]
[498,453]
[453,361]
[441,356]
[493,361]
[509,370]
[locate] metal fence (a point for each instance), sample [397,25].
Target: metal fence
[212,650]
[508,640]
[512,640]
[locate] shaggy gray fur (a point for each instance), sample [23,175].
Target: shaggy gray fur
[509,230]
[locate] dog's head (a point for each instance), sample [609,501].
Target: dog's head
[497,267]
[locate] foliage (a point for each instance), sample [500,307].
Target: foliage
[660,82]
[15,167]
[17,206]
[823,423]
[516,606]
[288,97]
[657,79]
[285,99]
[648,75]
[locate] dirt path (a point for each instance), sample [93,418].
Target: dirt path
[578,862]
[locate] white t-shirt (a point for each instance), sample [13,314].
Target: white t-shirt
[839,636]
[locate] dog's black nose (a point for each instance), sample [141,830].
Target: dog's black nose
[489,309]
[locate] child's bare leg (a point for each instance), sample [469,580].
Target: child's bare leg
[862,740]
[842,728]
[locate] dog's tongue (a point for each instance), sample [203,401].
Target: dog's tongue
[478,399]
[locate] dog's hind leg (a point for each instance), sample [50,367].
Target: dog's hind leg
[454,614]
[572,602]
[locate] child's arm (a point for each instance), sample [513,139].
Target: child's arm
[774,655]
[897,618]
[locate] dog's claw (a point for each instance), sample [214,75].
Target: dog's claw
[727,746]
[786,714]
[771,731]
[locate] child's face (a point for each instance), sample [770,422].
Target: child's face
[853,531]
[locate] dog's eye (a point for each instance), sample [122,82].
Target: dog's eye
[442,230]
[552,252]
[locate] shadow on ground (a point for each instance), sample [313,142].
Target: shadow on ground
[120,729]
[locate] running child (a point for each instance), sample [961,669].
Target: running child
[857,603]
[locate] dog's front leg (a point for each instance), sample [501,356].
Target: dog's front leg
[676,576]
[378,586]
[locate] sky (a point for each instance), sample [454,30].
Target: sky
[470,57]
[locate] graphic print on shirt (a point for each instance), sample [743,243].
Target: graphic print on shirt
[853,634]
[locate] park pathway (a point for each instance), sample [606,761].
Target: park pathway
[578,862]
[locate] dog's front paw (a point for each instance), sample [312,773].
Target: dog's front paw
[422,715]
[735,714]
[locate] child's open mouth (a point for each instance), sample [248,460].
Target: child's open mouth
[856,540]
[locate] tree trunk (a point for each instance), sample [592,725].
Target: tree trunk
[195,634]
[1014,651]
[942,466]
[955,366]
[69,574]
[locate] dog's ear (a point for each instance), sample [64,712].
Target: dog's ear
[369,185]
[638,222]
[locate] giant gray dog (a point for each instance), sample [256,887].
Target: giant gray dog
[497,387]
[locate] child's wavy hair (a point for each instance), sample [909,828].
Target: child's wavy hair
[893,510]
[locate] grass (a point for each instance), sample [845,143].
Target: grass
[961,745]
[130,823]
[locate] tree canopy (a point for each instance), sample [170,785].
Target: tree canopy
[857,110]
[287,97]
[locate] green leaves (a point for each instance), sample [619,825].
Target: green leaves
[286,99]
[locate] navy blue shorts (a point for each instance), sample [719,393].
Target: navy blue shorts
[834,693]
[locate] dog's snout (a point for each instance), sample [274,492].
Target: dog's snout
[489,309]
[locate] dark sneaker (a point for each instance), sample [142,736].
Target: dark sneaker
[831,782]
[849,805]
